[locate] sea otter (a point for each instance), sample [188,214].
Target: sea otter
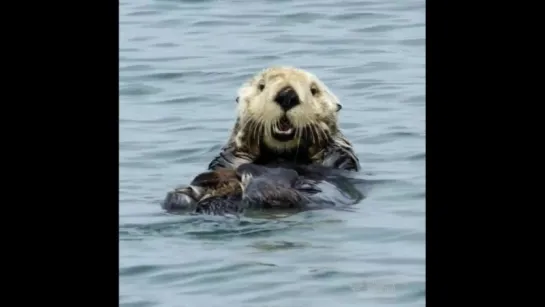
[284,115]
[257,187]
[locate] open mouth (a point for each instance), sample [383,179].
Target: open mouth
[283,130]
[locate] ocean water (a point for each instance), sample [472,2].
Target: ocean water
[181,63]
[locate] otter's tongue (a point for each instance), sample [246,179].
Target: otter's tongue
[284,125]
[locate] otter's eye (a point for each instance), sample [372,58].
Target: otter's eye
[313,90]
[261,86]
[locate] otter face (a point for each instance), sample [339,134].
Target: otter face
[281,107]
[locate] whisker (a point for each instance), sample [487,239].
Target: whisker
[298,136]
[258,133]
[267,127]
[254,137]
[323,135]
[250,128]
[315,135]
[308,134]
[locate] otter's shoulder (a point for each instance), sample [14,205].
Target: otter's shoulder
[232,155]
[339,154]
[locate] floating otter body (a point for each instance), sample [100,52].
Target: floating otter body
[256,187]
[286,116]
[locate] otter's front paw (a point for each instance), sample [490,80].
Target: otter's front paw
[181,199]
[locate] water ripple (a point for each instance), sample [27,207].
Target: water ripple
[181,63]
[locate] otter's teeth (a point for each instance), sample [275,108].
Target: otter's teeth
[289,131]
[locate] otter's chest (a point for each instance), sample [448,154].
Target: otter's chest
[267,157]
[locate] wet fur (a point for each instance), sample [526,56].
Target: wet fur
[318,142]
[223,183]
[317,134]
[257,187]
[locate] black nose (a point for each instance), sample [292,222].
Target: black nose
[287,98]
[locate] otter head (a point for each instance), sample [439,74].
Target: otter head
[283,108]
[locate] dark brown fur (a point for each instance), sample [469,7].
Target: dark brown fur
[221,182]
[317,140]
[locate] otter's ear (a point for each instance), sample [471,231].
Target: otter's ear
[236,100]
[339,107]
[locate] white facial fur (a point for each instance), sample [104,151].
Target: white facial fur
[318,109]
